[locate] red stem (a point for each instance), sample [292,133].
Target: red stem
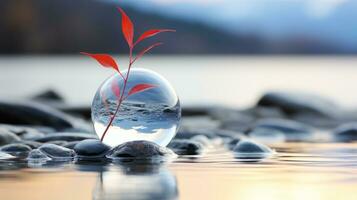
[121,96]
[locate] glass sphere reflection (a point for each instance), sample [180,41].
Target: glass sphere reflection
[151,115]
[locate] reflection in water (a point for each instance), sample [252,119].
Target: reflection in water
[136,181]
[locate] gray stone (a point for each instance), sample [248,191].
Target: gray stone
[32,144]
[37,156]
[35,114]
[6,137]
[186,147]
[292,103]
[202,139]
[57,152]
[293,131]
[58,142]
[91,148]
[139,149]
[70,145]
[65,136]
[16,148]
[346,132]
[248,149]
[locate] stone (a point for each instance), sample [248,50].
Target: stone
[57,152]
[37,156]
[202,139]
[267,136]
[66,136]
[16,148]
[186,147]
[250,149]
[35,114]
[139,149]
[70,145]
[24,132]
[7,137]
[5,156]
[293,130]
[292,103]
[57,142]
[91,148]
[32,144]
[346,132]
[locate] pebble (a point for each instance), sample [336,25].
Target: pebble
[66,136]
[250,149]
[4,156]
[32,144]
[346,132]
[292,103]
[267,136]
[57,152]
[37,156]
[16,148]
[36,114]
[202,139]
[186,147]
[293,131]
[7,137]
[58,142]
[70,145]
[139,149]
[91,148]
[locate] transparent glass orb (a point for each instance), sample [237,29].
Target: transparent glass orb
[152,115]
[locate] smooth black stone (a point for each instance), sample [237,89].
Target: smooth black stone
[248,146]
[56,151]
[35,114]
[91,147]
[7,137]
[346,132]
[37,155]
[70,145]
[185,147]
[66,136]
[32,144]
[58,142]
[138,149]
[48,95]
[293,130]
[292,103]
[14,148]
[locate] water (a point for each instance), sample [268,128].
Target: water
[299,170]
[153,114]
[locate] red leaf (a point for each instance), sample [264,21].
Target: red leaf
[146,50]
[151,33]
[104,59]
[127,27]
[116,89]
[140,88]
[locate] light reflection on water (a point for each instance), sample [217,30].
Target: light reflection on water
[298,171]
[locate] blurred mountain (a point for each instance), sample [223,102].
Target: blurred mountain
[67,26]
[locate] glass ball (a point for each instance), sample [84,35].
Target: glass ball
[153,114]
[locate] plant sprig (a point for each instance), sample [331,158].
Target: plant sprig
[109,62]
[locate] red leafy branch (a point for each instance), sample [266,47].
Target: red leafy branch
[107,61]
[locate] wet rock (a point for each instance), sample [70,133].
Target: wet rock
[32,144]
[139,149]
[346,132]
[202,139]
[251,149]
[37,156]
[292,103]
[91,148]
[70,145]
[25,133]
[234,141]
[6,137]
[58,142]
[57,152]
[293,131]
[5,156]
[65,136]
[35,114]
[186,147]
[15,148]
